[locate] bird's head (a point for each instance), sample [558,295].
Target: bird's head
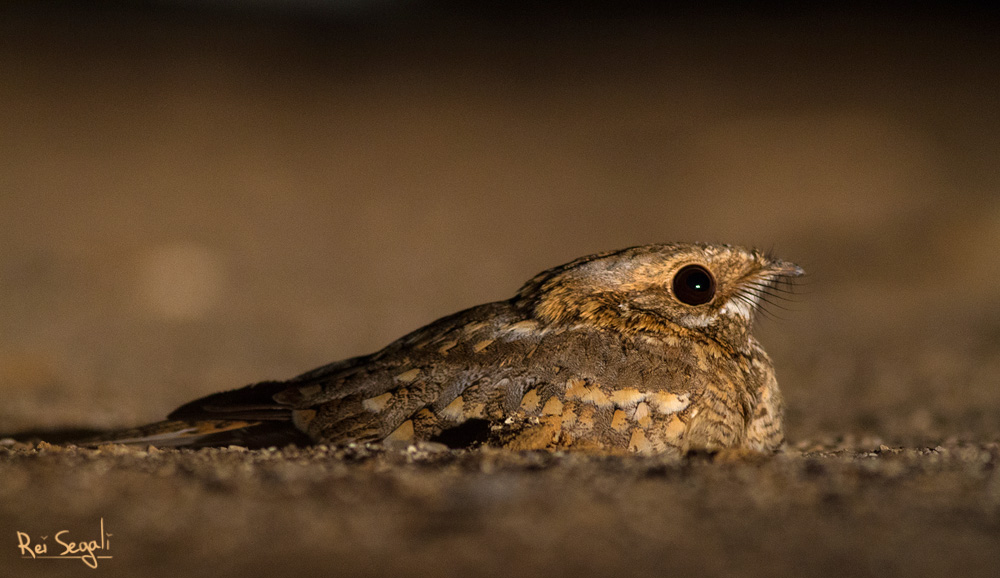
[715,290]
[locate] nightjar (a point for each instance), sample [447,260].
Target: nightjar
[646,349]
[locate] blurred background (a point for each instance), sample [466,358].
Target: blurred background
[197,196]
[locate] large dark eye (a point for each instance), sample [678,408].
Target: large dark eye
[694,285]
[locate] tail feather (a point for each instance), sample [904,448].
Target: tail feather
[251,403]
[202,433]
[247,417]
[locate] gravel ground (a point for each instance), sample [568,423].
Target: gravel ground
[822,511]
[193,201]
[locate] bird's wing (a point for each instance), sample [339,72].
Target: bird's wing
[481,365]
[431,364]
[492,366]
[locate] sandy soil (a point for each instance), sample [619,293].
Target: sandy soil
[826,511]
[190,202]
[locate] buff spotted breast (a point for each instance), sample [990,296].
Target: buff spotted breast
[646,349]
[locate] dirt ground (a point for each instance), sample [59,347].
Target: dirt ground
[191,201]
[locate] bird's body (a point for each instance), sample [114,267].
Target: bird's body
[645,349]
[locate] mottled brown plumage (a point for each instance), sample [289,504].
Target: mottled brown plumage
[611,352]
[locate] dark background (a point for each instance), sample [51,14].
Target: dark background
[198,196]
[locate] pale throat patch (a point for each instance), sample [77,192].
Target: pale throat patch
[746,306]
[737,307]
[734,306]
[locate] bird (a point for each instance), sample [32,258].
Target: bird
[646,349]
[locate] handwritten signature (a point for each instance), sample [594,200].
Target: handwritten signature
[86,550]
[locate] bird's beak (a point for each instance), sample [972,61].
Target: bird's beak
[785,269]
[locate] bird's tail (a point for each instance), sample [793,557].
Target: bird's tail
[181,434]
[247,417]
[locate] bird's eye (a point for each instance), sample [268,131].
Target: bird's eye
[694,285]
